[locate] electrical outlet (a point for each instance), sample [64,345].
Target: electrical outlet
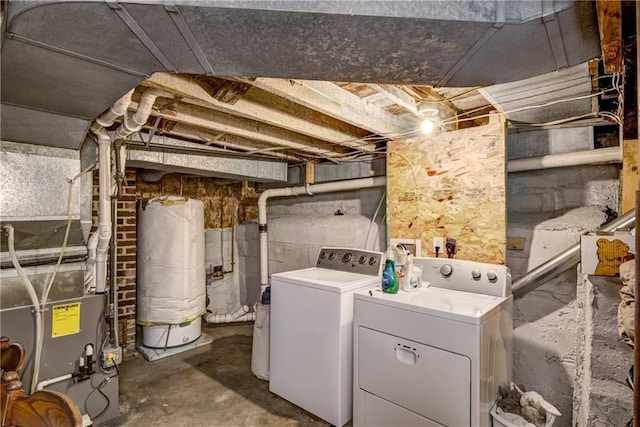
[111,356]
[439,243]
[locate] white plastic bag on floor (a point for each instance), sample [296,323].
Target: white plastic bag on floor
[260,350]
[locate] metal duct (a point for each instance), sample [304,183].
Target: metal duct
[516,99]
[170,160]
[77,58]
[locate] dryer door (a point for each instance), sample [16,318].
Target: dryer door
[428,381]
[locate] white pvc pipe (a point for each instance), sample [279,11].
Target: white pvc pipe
[34,301]
[134,122]
[90,265]
[104,206]
[119,107]
[45,383]
[240,315]
[328,187]
[580,158]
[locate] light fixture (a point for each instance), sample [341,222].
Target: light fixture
[430,114]
[427,126]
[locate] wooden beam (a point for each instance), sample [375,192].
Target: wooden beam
[398,97]
[629,178]
[330,99]
[266,108]
[610,24]
[211,138]
[220,122]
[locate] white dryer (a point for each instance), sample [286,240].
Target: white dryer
[434,357]
[311,345]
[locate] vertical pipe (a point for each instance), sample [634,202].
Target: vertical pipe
[636,350]
[114,271]
[104,209]
[636,327]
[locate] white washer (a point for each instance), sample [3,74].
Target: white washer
[311,349]
[434,357]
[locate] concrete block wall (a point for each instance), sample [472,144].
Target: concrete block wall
[601,397]
[545,320]
[550,210]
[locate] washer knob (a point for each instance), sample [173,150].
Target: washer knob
[332,255]
[323,254]
[347,257]
[475,273]
[363,259]
[373,260]
[446,270]
[492,276]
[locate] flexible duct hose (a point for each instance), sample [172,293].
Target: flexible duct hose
[34,301]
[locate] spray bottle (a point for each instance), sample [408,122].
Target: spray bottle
[389,276]
[406,277]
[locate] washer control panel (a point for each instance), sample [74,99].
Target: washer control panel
[467,276]
[354,260]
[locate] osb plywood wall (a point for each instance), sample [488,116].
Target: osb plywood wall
[451,185]
[224,205]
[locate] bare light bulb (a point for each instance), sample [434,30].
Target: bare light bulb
[427,126]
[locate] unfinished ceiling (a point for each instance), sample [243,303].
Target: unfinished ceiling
[64,63]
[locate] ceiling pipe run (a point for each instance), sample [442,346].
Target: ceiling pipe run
[133,122]
[109,117]
[328,187]
[580,158]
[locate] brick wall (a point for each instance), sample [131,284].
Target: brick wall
[126,267]
[126,264]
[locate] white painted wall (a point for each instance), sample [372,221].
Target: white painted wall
[297,228]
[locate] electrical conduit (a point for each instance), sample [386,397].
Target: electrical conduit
[328,187]
[564,260]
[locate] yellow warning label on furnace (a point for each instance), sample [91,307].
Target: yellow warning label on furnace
[65,319]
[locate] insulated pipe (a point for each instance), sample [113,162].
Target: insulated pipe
[590,157]
[45,383]
[119,107]
[240,315]
[328,187]
[564,260]
[104,205]
[133,122]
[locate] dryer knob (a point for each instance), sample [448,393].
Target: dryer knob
[446,270]
[332,255]
[362,259]
[475,273]
[492,276]
[347,257]
[373,260]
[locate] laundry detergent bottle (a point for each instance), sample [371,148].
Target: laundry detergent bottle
[390,282]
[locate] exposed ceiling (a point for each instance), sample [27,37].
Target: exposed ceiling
[63,63]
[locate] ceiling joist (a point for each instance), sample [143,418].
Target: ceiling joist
[330,99]
[254,106]
[220,122]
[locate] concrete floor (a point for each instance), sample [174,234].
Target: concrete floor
[208,386]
